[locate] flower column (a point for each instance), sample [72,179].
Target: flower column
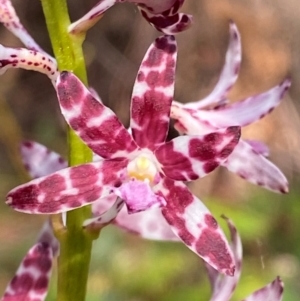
[75,243]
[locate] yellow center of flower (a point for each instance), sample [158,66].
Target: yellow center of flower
[142,168]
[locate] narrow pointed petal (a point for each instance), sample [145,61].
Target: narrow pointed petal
[187,158]
[228,75]
[224,286]
[9,18]
[39,160]
[246,111]
[29,60]
[256,169]
[138,196]
[168,24]
[67,189]
[107,217]
[193,223]
[153,93]
[260,147]
[94,123]
[271,292]
[149,224]
[92,17]
[32,277]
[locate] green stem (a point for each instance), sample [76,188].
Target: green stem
[75,243]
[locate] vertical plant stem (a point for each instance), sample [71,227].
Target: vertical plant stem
[75,243]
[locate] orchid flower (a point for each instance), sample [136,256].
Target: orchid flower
[142,169]
[223,286]
[32,278]
[162,14]
[247,159]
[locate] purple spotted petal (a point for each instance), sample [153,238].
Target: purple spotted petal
[224,286]
[107,217]
[190,157]
[149,224]
[251,166]
[193,223]
[32,277]
[29,60]
[153,93]
[94,123]
[271,292]
[11,21]
[228,75]
[39,160]
[260,147]
[67,189]
[168,24]
[138,196]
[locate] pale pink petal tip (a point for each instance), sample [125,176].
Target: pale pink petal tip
[253,167]
[228,76]
[271,292]
[39,160]
[31,280]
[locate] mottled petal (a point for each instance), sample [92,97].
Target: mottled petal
[271,292]
[92,17]
[168,24]
[149,224]
[251,166]
[246,111]
[260,147]
[224,286]
[39,160]
[67,189]
[32,277]
[153,93]
[228,75]
[138,196]
[190,157]
[29,60]
[107,217]
[193,223]
[11,21]
[95,124]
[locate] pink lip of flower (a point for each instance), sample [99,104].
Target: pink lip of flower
[163,15]
[134,164]
[247,159]
[223,287]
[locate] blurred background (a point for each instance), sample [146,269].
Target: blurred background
[124,267]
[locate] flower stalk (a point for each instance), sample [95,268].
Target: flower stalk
[75,243]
